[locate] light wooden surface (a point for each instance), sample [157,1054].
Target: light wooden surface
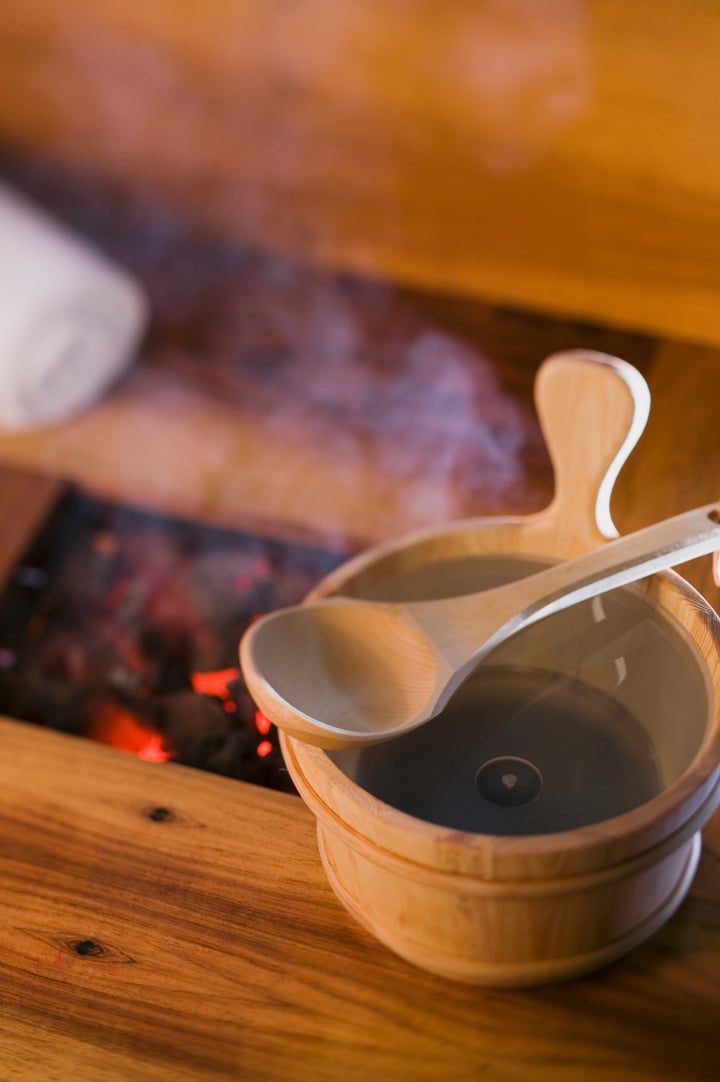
[562,156]
[215,950]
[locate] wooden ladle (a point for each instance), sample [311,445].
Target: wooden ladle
[345,672]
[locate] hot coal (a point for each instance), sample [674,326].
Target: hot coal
[123,626]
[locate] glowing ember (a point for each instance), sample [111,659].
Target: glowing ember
[262,724]
[153,751]
[120,728]
[264,748]
[214,683]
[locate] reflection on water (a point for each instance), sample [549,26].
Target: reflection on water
[519,751]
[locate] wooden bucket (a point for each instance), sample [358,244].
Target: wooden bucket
[517,907]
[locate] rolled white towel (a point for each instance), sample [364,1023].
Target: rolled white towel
[70,321]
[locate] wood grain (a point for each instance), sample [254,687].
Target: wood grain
[205,943]
[563,159]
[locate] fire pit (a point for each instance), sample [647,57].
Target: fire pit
[122,626]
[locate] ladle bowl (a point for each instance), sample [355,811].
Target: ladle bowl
[493,853]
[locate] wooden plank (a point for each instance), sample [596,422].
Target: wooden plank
[26,499]
[562,157]
[204,940]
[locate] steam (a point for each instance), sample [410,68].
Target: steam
[419,407]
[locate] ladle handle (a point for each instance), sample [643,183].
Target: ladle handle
[628,559]
[592,409]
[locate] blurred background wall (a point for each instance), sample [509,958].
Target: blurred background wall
[562,155]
